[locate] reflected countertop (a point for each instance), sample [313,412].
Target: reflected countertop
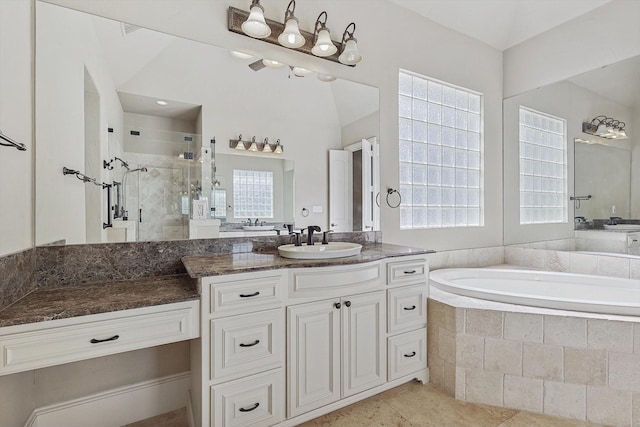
[214,265]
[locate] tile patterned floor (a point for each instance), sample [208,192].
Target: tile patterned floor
[410,405]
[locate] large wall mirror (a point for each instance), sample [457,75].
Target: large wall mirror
[99,86]
[602,174]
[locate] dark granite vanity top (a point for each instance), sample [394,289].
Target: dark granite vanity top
[71,301]
[214,265]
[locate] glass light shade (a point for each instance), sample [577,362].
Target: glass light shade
[240,146]
[266,148]
[301,72]
[350,55]
[278,149]
[604,131]
[255,25]
[240,55]
[324,46]
[253,147]
[272,64]
[326,78]
[291,36]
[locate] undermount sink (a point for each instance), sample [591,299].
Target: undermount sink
[320,251]
[622,227]
[258,227]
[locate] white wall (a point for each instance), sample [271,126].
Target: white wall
[431,50]
[600,37]
[16,121]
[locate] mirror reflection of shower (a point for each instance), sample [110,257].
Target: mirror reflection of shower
[124,213]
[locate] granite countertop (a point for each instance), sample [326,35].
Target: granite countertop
[214,265]
[71,301]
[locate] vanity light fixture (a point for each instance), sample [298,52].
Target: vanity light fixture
[291,36]
[253,146]
[255,25]
[239,144]
[605,127]
[323,45]
[279,148]
[317,43]
[350,54]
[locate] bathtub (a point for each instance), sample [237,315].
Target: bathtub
[565,291]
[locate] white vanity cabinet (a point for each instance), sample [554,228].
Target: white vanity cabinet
[280,347]
[336,348]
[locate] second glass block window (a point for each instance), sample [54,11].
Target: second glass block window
[252,194]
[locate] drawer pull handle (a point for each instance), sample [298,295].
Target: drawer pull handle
[413,307]
[255,294]
[250,409]
[409,272]
[113,338]
[413,353]
[256,342]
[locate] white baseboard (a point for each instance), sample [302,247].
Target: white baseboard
[119,406]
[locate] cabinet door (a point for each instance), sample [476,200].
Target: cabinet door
[363,342]
[313,347]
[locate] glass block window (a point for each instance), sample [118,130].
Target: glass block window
[441,146]
[543,168]
[252,194]
[219,197]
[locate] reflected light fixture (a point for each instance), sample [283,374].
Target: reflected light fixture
[326,77]
[291,36]
[272,64]
[350,54]
[605,127]
[240,145]
[266,148]
[255,25]
[253,146]
[279,148]
[323,45]
[301,72]
[240,55]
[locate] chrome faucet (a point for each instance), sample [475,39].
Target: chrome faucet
[310,230]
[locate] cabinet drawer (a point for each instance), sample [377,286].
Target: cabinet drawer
[407,353]
[253,401]
[246,344]
[244,293]
[338,281]
[406,272]
[130,330]
[407,308]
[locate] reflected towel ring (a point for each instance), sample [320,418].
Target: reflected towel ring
[305,212]
[391,191]
[378,199]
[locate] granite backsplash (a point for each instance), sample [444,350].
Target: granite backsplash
[17,276]
[76,264]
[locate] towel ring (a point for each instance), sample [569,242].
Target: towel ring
[391,191]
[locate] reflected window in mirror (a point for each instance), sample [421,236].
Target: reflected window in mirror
[543,166]
[219,197]
[252,194]
[440,130]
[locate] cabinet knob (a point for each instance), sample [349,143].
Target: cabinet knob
[347,303]
[337,305]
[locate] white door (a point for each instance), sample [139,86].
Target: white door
[368,194]
[364,355]
[313,349]
[339,191]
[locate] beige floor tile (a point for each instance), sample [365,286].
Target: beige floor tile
[373,412]
[528,419]
[177,418]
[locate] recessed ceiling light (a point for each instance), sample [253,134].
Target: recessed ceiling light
[163,103]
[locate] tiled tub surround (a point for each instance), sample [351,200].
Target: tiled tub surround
[577,365]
